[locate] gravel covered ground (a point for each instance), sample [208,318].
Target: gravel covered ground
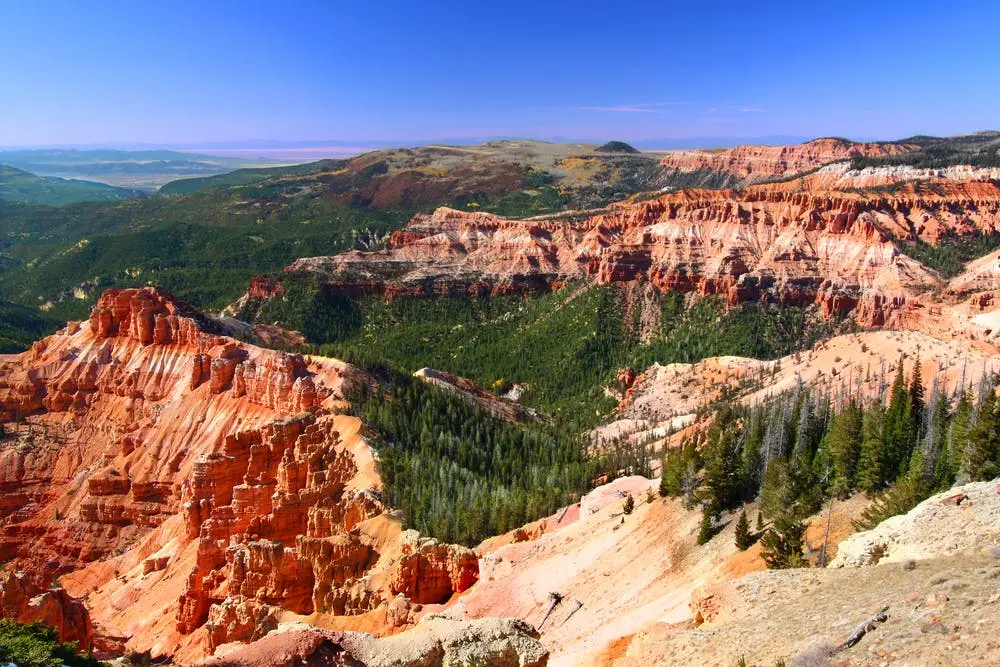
[943,611]
[938,574]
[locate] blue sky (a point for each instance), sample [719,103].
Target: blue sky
[195,72]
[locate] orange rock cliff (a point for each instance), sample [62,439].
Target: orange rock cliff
[751,164]
[150,458]
[782,243]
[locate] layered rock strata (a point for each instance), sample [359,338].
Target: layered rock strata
[837,249]
[191,489]
[753,164]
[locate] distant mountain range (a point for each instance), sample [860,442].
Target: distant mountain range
[134,169]
[200,149]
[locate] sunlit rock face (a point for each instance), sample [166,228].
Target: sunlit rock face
[752,163]
[771,243]
[191,489]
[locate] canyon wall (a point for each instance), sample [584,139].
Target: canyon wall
[753,164]
[839,249]
[193,490]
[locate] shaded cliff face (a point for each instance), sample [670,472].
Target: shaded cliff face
[767,243]
[753,164]
[192,490]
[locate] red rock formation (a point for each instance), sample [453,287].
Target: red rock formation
[147,316]
[265,287]
[758,163]
[212,484]
[768,243]
[22,600]
[430,572]
[626,377]
[245,620]
[281,492]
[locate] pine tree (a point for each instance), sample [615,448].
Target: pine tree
[744,539]
[916,402]
[672,471]
[982,452]
[751,458]
[759,527]
[871,464]
[781,546]
[629,504]
[958,437]
[664,489]
[721,485]
[898,430]
[844,443]
[705,530]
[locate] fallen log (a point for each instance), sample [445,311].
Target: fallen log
[565,509]
[863,629]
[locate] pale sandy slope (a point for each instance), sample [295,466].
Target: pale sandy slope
[627,572]
[940,580]
[854,364]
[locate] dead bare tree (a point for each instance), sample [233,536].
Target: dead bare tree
[826,537]
[554,600]
[572,611]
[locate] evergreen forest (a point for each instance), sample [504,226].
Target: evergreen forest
[801,449]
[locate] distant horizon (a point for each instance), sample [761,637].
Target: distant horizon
[319,148]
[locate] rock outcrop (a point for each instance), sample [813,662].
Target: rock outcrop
[752,164]
[962,519]
[21,600]
[191,489]
[667,398]
[430,572]
[836,249]
[437,641]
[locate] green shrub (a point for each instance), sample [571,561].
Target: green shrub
[37,645]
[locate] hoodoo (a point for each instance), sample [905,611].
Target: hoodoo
[148,456]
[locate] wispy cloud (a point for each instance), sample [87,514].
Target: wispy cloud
[652,107]
[662,107]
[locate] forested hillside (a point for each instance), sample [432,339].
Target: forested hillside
[802,448]
[981,149]
[22,186]
[210,236]
[462,475]
[21,326]
[562,348]
[205,247]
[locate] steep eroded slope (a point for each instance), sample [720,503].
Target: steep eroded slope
[193,490]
